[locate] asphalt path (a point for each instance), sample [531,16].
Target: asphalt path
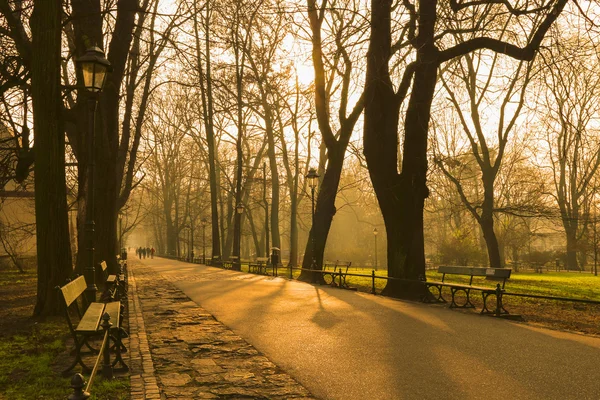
[346,345]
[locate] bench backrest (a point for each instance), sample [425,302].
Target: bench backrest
[498,273]
[72,290]
[262,259]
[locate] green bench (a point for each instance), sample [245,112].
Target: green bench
[258,266]
[499,274]
[339,269]
[114,285]
[85,326]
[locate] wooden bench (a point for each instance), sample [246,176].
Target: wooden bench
[229,263]
[339,269]
[491,273]
[88,324]
[258,266]
[114,285]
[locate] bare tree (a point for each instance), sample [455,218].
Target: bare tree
[571,100]
[423,41]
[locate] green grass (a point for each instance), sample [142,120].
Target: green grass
[33,354]
[27,369]
[557,284]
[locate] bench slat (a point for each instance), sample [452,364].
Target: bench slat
[503,273]
[72,290]
[91,318]
[114,310]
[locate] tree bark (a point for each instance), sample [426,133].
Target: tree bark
[572,247]
[401,196]
[53,248]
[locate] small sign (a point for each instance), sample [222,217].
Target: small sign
[490,271]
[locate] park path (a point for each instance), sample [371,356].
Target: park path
[346,345]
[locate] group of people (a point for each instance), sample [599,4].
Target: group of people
[143,252]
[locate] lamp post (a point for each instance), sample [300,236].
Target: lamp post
[375,232]
[266,210]
[237,264]
[191,239]
[94,67]
[120,233]
[204,241]
[313,179]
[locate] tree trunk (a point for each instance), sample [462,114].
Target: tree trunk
[572,244]
[207,112]
[324,212]
[53,248]
[401,196]
[491,241]
[487,220]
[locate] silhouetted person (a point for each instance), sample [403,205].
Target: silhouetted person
[152,252]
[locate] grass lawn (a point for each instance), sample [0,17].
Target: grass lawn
[33,352]
[553,314]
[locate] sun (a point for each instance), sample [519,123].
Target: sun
[305,73]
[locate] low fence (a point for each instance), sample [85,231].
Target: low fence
[81,388]
[339,280]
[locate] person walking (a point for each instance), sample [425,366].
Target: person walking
[143,250]
[152,252]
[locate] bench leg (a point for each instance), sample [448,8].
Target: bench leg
[117,347]
[439,298]
[467,303]
[498,309]
[78,360]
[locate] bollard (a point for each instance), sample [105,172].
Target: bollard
[498,299]
[78,383]
[107,371]
[373,282]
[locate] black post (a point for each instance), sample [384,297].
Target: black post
[107,371]
[314,250]
[373,282]
[204,242]
[375,250]
[191,240]
[78,385]
[120,233]
[498,300]
[266,209]
[90,272]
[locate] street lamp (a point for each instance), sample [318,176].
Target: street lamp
[237,264]
[204,241]
[375,235]
[313,179]
[191,239]
[94,67]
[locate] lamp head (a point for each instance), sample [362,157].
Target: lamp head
[94,67]
[313,178]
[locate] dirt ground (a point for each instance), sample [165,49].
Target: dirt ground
[18,298]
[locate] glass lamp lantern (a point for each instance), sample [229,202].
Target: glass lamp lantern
[94,67]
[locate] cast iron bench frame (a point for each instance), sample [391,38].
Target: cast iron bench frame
[329,276]
[259,266]
[115,287]
[89,323]
[494,273]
